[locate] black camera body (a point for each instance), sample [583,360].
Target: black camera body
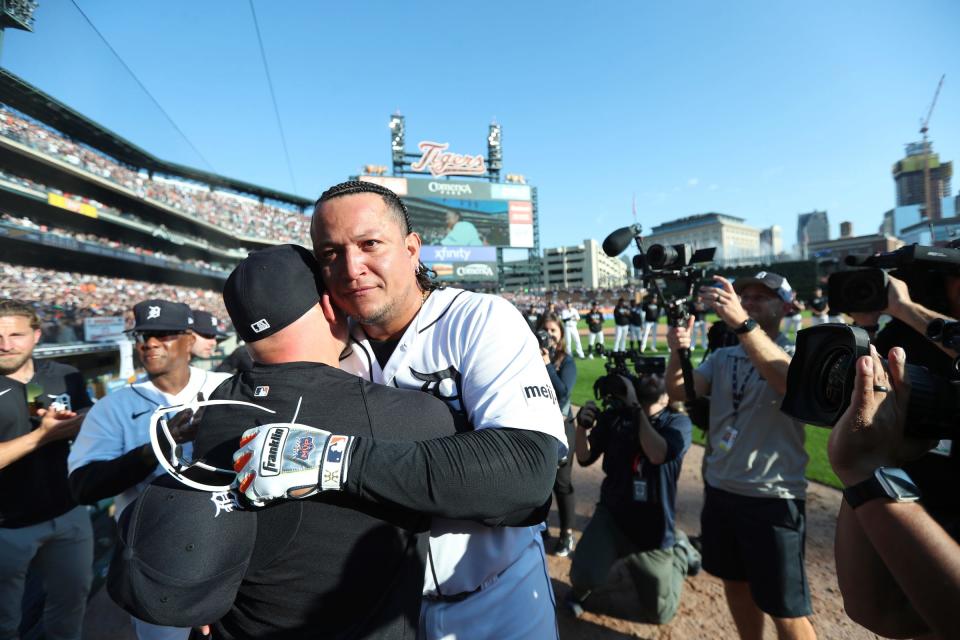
[821,377]
[546,341]
[865,289]
[609,388]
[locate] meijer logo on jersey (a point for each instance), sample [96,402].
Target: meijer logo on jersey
[532,392]
[270,458]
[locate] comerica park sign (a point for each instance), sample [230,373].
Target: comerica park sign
[440,162]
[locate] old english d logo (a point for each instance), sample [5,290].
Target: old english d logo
[448,386]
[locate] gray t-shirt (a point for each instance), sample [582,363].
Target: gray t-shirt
[757,451]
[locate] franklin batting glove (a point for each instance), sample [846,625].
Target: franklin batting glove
[289,461]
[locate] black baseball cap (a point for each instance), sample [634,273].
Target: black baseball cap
[161,315]
[181,554]
[775,282]
[271,289]
[206,324]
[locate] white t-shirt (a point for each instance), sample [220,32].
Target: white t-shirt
[476,353]
[120,422]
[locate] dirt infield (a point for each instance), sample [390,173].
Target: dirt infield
[703,611]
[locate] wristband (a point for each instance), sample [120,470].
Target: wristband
[335,463]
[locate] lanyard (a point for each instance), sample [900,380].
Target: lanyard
[738,391]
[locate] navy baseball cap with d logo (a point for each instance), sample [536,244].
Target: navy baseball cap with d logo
[161,315]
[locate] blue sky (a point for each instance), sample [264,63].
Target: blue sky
[756,109]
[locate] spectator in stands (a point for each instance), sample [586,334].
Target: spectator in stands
[42,404]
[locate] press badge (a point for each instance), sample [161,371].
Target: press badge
[639,490]
[728,438]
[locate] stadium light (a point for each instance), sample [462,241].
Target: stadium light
[17,14]
[494,150]
[397,140]
[516,178]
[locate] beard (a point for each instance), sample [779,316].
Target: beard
[12,363]
[649,389]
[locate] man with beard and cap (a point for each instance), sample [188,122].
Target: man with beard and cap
[40,523]
[643,442]
[112,456]
[480,581]
[753,523]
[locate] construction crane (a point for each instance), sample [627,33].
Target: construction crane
[924,127]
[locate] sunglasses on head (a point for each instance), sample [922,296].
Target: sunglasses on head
[163,336]
[193,473]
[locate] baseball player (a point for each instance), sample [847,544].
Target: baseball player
[40,524]
[621,321]
[571,317]
[636,325]
[410,334]
[595,327]
[651,317]
[112,455]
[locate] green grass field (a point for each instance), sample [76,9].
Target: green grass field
[818,468]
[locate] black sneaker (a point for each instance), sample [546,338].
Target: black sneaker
[564,545]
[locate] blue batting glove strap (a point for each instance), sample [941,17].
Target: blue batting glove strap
[289,461]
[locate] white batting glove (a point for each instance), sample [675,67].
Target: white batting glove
[289,461]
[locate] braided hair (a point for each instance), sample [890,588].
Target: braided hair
[396,207]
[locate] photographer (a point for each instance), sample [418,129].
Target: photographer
[753,519]
[937,472]
[898,570]
[563,375]
[643,442]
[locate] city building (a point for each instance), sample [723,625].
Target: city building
[732,238]
[812,227]
[844,246]
[771,241]
[908,174]
[583,266]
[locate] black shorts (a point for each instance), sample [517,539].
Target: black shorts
[760,541]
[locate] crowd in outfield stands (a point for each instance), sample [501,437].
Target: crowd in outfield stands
[239,214]
[64,299]
[27,223]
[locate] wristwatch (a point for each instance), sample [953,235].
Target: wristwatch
[886,482]
[748,325]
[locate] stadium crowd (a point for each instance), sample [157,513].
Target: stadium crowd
[237,213]
[63,299]
[27,223]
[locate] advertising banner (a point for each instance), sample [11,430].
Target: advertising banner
[103,329]
[72,205]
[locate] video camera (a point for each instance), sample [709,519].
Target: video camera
[865,288]
[609,388]
[546,341]
[821,374]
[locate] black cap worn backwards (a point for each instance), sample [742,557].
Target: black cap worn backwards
[181,554]
[206,324]
[161,315]
[271,289]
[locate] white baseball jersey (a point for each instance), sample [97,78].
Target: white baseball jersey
[120,423]
[570,317]
[447,351]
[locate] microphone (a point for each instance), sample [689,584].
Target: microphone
[620,239]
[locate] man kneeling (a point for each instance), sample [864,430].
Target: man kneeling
[643,443]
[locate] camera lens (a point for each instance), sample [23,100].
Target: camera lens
[834,371]
[660,256]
